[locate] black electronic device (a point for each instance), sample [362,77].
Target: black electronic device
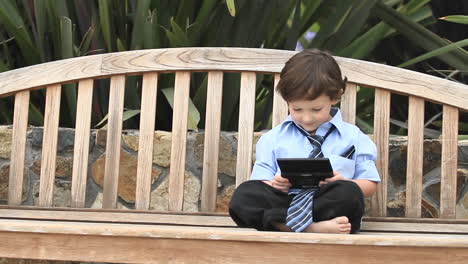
[305,173]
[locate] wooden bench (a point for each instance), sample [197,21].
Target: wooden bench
[143,235]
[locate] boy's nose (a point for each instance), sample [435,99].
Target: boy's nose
[307,119]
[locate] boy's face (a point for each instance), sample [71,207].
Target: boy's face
[310,114]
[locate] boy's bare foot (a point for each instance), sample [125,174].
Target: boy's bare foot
[338,225]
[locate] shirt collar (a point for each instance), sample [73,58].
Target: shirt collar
[337,121]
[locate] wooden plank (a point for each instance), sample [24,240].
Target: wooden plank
[348,103]
[197,59]
[414,169]
[228,59]
[179,140]
[231,234]
[280,106]
[92,248]
[415,228]
[114,133]
[18,148]
[52,210]
[246,127]
[381,138]
[448,181]
[145,145]
[125,217]
[414,220]
[402,81]
[212,137]
[49,145]
[81,151]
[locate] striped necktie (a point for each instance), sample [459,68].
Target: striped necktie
[300,210]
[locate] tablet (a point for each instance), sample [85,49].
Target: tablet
[304,173]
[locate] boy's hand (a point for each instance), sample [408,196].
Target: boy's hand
[281,183]
[336,177]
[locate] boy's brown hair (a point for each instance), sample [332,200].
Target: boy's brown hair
[309,74]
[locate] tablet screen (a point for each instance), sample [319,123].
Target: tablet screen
[305,173]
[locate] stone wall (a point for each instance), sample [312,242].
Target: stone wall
[226,181]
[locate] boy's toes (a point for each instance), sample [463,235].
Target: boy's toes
[341,220]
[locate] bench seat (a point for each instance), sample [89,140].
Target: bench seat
[109,240]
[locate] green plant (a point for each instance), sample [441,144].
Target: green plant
[38,31]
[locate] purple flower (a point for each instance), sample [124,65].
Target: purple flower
[309,35]
[299,46]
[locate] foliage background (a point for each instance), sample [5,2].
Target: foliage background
[393,32]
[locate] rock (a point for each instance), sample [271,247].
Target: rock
[162,148]
[396,206]
[97,204]
[131,141]
[127,175]
[223,199]
[101,137]
[429,209]
[63,167]
[162,144]
[159,197]
[227,156]
[6,134]
[65,140]
[462,207]
[62,193]
[4,179]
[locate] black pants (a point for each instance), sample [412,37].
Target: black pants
[258,205]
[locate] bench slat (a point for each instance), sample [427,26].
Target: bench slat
[348,103]
[179,139]
[120,217]
[211,148]
[448,180]
[18,148]
[246,127]
[415,227]
[145,145]
[238,234]
[49,153]
[280,107]
[198,246]
[114,132]
[381,138]
[414,167]
[81,151]
[368,225]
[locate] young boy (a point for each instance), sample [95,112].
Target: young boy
[311,83]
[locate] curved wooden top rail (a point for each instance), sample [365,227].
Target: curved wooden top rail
[227,59]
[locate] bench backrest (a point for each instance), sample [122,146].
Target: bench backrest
[149,63]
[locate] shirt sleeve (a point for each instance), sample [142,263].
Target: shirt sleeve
[366,154]
[265,165]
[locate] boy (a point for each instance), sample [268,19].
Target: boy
[311,83]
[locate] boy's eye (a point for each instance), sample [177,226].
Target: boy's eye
[317,109]
[297,109]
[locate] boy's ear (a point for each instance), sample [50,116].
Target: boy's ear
[338,97]
[341,93]
[335,101]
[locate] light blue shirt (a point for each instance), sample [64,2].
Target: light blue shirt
[286,141]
